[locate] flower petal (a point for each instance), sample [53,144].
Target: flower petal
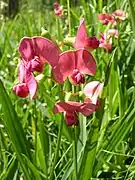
[46,50]
[67,107]
[81,37]
[26,49]
[85,62]
[93,90]
[41,47]
[32,86]
[87,108]
[21,90]
[65,66]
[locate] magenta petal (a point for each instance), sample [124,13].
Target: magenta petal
[93,90]
[46,50]
[32,86]
[26,49]
[71,118]
[81,37]
[85,62]
[67,107]
[87,108]
[65,66]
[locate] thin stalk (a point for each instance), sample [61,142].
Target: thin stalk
[59,139]
[69,17]
[75,153]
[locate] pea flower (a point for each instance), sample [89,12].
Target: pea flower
[74,64]
[112,32]
[82,40]
[119,15]
[92,90]
[36,51]
[72,109]
[58,10]
[105,42]
[106,19]
[27,83]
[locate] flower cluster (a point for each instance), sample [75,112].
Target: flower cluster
[113,19]
[72,64]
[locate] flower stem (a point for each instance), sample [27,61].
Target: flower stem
[75,153]
[59,139]
[69,18]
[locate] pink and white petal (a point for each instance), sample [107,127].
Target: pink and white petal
[26,49]
[32,86]
[93,90]
[22,72]
[81,37]
[67,107]
[46,50]
[85,62]
[87,108]
[65,66]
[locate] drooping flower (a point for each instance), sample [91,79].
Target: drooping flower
[36,51]
[58,10]
[105,42]
[74,64]
[119,15]
[72,109]
[92,90]
[82,40]
[27,83]
[105,18]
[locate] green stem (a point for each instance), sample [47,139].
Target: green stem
[69,17]
[58,28]
[59,139]
[75,154]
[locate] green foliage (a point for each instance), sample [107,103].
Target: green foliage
[35,143]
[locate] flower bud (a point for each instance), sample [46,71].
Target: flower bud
[21,90]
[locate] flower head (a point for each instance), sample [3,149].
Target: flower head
[82,40]
[105,42]
[92,90]
[72,108]
[119,14]
[27,83]
[36,51]
[58,10]
[74,64]
[105,18]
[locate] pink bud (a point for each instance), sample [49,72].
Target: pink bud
[58,10]
[21,90]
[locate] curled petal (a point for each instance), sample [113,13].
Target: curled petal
[93,90]
[87,108]
[21,90]
[119,14]
[81,37]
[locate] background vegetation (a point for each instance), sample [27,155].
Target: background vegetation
[29,129]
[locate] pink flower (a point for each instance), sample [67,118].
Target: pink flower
[72,108]
[27,83]
[74,64]
[105,18]
[112,32]
[119,14]
[92,90]
[105,42]
[36,51]
[82,40]
[58,10]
